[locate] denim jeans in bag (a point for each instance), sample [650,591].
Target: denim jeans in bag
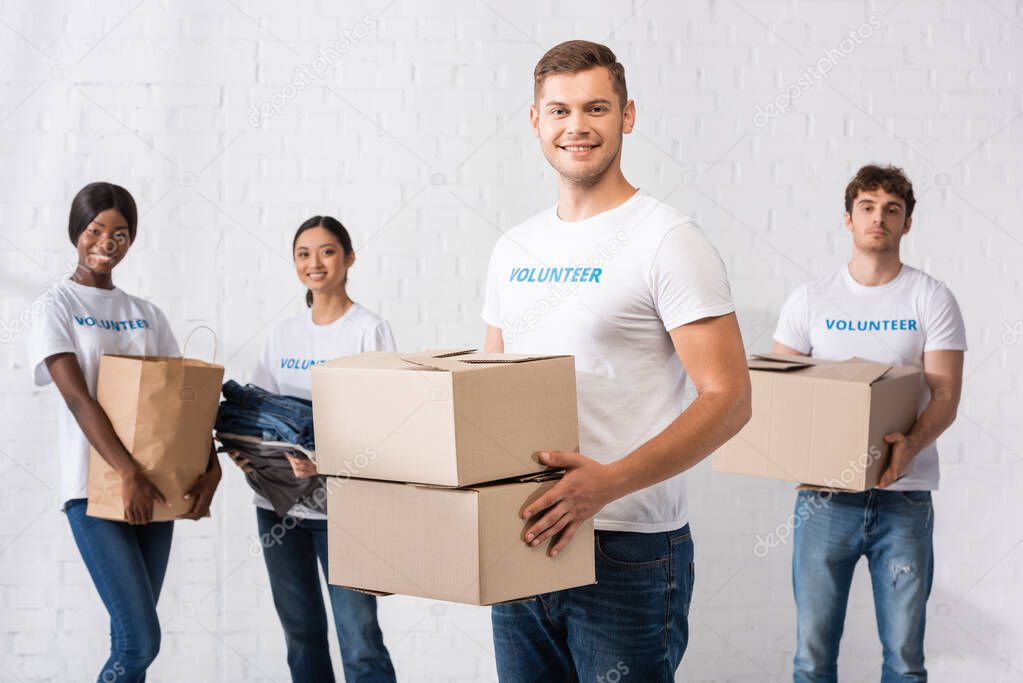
[292,547]
[632,625]
[894,531]
[251,411]
[127,564]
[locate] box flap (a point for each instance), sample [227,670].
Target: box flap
[546,475]
[370,360]
[774,365]
[467,359]
[792,358]
[535,478]
[850,370]
[445,353]
[853,370]
[543,476]
[375,594]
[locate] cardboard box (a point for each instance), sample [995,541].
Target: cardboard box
[462,544]
[822,422]
[450,418]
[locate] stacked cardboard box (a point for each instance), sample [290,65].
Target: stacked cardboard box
[430,459]
[822,423]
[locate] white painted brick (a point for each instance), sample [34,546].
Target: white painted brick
[443,80]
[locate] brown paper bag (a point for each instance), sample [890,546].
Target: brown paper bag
[162,410]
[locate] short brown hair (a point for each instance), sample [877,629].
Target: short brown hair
[574,56]
[891,179]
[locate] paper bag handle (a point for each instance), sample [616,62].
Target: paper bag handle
[184,347]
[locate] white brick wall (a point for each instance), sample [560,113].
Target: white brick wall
[417,139]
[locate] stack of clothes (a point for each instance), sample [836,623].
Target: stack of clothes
[265,428]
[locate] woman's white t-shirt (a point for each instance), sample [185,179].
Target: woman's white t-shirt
[297,344]
[90,322]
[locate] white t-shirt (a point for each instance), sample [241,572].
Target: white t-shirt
[897,322]
[607,290]
[297,344]
[89,322]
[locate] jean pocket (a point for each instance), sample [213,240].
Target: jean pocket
[921,498]
[629,550]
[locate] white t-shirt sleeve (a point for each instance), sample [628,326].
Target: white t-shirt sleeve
[383,340]
[793,328]
[50,334]
[263,377]
[944,328]
[688,279]
[491,312]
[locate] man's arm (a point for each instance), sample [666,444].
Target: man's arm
[494,342]
[781,348]
[713,356]
[943,371]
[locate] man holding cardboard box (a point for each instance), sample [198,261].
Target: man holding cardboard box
[635,292]
[879,309]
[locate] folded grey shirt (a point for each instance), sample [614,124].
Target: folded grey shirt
[271,475]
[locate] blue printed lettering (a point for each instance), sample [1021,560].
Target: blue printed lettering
[300,363]
[871,325]
[112,325]
[555,274]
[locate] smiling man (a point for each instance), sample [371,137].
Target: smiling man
[633,290]
[877,308]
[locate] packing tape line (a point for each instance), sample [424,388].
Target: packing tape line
[184,347]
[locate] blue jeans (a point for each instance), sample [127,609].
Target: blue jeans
[291,549]
[894,530]
[251,411]
[633,624]
[127,565]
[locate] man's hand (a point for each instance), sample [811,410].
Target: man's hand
[901,463]
[586,487]
[302,468]
[201,494]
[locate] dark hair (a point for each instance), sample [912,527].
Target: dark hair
[574,56]
[891,179]
[94,199]
[334,226]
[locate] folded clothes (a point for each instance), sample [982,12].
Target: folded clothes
[265,428]
[270,474]
[269,447]
[251,411]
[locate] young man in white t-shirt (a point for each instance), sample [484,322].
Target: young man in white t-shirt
[877,308]
[637,294]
